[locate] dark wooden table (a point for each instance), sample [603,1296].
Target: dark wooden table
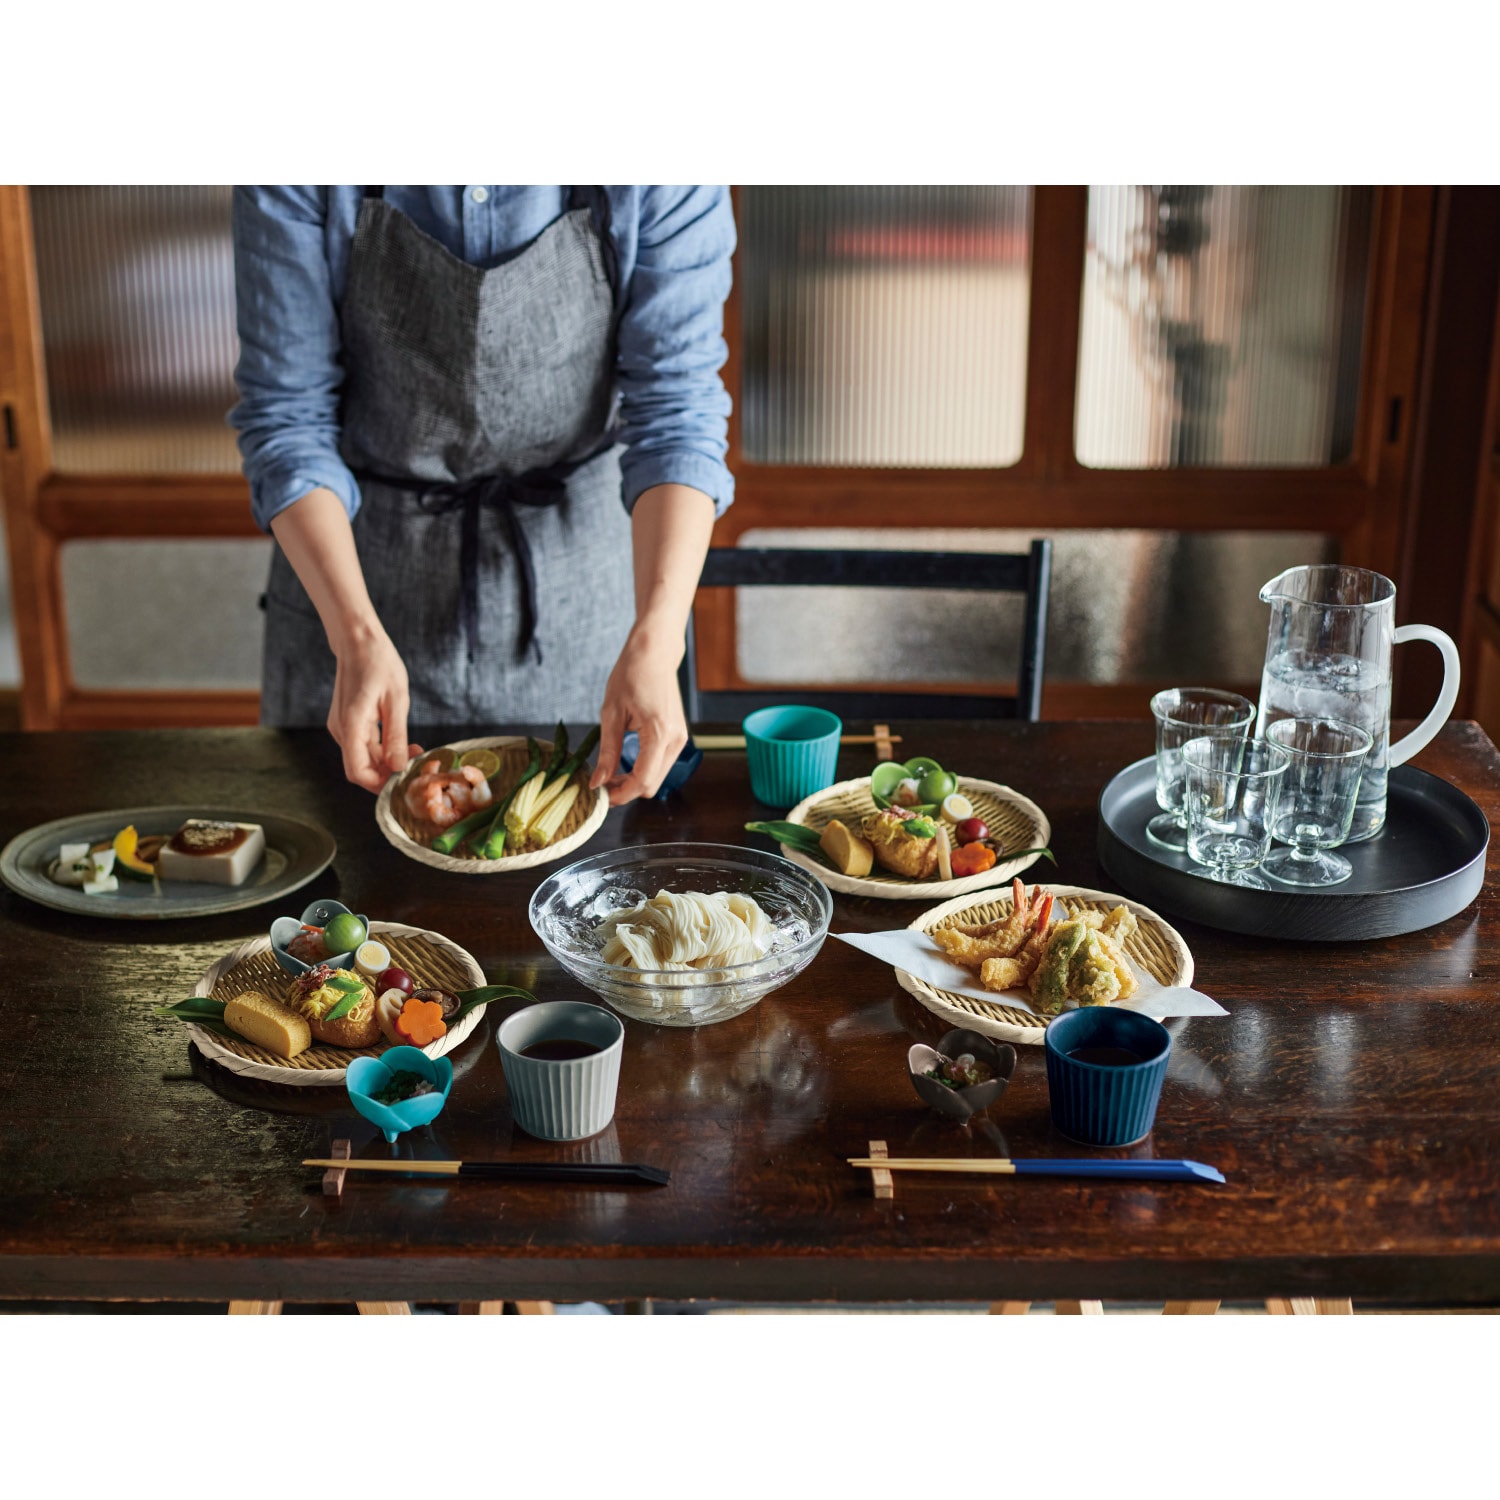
[1350,1096]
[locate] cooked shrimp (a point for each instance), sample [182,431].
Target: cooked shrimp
[1015,973]
[443,797]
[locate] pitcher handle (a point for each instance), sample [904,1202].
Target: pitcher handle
[1408,745]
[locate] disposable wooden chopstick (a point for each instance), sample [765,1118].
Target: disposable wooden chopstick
[999,1166]
[737,741]
[508,1171]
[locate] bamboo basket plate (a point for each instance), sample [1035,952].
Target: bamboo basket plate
[1154,948]
[1015,820]
[432,960]
[412,835]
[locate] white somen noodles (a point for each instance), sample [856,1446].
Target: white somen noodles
[687,931]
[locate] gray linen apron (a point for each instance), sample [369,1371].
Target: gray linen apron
[476,413]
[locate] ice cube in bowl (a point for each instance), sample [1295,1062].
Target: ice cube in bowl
[571,905]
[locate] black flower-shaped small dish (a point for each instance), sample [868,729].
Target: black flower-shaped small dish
[961,1051]
[286,930]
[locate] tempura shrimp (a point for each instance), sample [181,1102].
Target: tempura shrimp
[972,946]
[443,797]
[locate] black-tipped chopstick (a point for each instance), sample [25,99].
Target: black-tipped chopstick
[1081,1166]
[510,1171]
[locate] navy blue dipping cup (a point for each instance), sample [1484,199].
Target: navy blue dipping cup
[688,761]
[1104,1074]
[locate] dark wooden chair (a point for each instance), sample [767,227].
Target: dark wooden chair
[1026,573]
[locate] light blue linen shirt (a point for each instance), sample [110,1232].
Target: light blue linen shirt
[291,260]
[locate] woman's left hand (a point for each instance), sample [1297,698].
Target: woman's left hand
[642,695]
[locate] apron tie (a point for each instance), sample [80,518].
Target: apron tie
[539,488]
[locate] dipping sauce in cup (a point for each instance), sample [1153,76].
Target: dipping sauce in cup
[562,1067]
[1104,1074]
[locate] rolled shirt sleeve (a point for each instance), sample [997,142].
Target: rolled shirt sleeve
[291,247]
[289,371]
[674,410]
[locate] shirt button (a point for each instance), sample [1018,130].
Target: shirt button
[479,194]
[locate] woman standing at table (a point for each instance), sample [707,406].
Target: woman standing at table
[445,395]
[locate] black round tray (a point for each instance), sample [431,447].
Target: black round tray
[1424,866]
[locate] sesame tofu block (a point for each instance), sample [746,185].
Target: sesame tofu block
[222,853]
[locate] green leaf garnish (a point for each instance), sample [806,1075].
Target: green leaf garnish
[468,999]
[342,1007]
[194,1008]
[797,835]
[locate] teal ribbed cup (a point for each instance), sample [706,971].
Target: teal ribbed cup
[1098,1104]
[792,753]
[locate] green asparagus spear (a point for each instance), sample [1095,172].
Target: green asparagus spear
[577,758]
[447,841]
[559,750]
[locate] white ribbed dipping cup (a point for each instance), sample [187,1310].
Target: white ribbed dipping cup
[562,1101]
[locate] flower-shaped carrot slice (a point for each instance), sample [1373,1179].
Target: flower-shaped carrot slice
[421,1022]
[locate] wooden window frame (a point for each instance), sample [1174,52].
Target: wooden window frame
[45,509]
[1360,502]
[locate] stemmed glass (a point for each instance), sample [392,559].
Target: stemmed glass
[1232,791]
[1318,795]
[1184,714]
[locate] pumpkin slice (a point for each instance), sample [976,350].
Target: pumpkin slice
[127,861]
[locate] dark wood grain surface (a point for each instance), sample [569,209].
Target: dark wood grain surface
[1350,1096]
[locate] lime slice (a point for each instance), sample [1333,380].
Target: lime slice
[957,807]
[884,780]
[920,765]
[486,762]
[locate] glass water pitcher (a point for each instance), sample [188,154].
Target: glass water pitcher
[1328,655]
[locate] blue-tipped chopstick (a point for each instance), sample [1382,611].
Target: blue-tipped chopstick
[1037,1166]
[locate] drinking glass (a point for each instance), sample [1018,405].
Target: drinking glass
[1184,714]
[1318,794]
[1231,795]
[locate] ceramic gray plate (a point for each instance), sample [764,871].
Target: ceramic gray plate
[296,852]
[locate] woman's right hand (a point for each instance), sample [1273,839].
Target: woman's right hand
[370,701]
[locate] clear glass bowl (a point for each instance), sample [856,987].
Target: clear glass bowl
[570,905]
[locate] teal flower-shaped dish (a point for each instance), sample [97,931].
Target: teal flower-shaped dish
[367,1076]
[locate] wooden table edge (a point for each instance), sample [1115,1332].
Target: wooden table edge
[1448,1280]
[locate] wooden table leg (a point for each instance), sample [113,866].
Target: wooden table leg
[1074,1309]
[1009,1309]
[254,1309]
[1307,1307]
[384,1309]
[532,1309]
[1205,1309]
[481,1309]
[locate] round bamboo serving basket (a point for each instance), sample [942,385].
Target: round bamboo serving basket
[433,961]
[1155,948]
[1015,820]
[413,835]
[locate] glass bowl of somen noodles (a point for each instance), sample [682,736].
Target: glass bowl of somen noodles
[682,934]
